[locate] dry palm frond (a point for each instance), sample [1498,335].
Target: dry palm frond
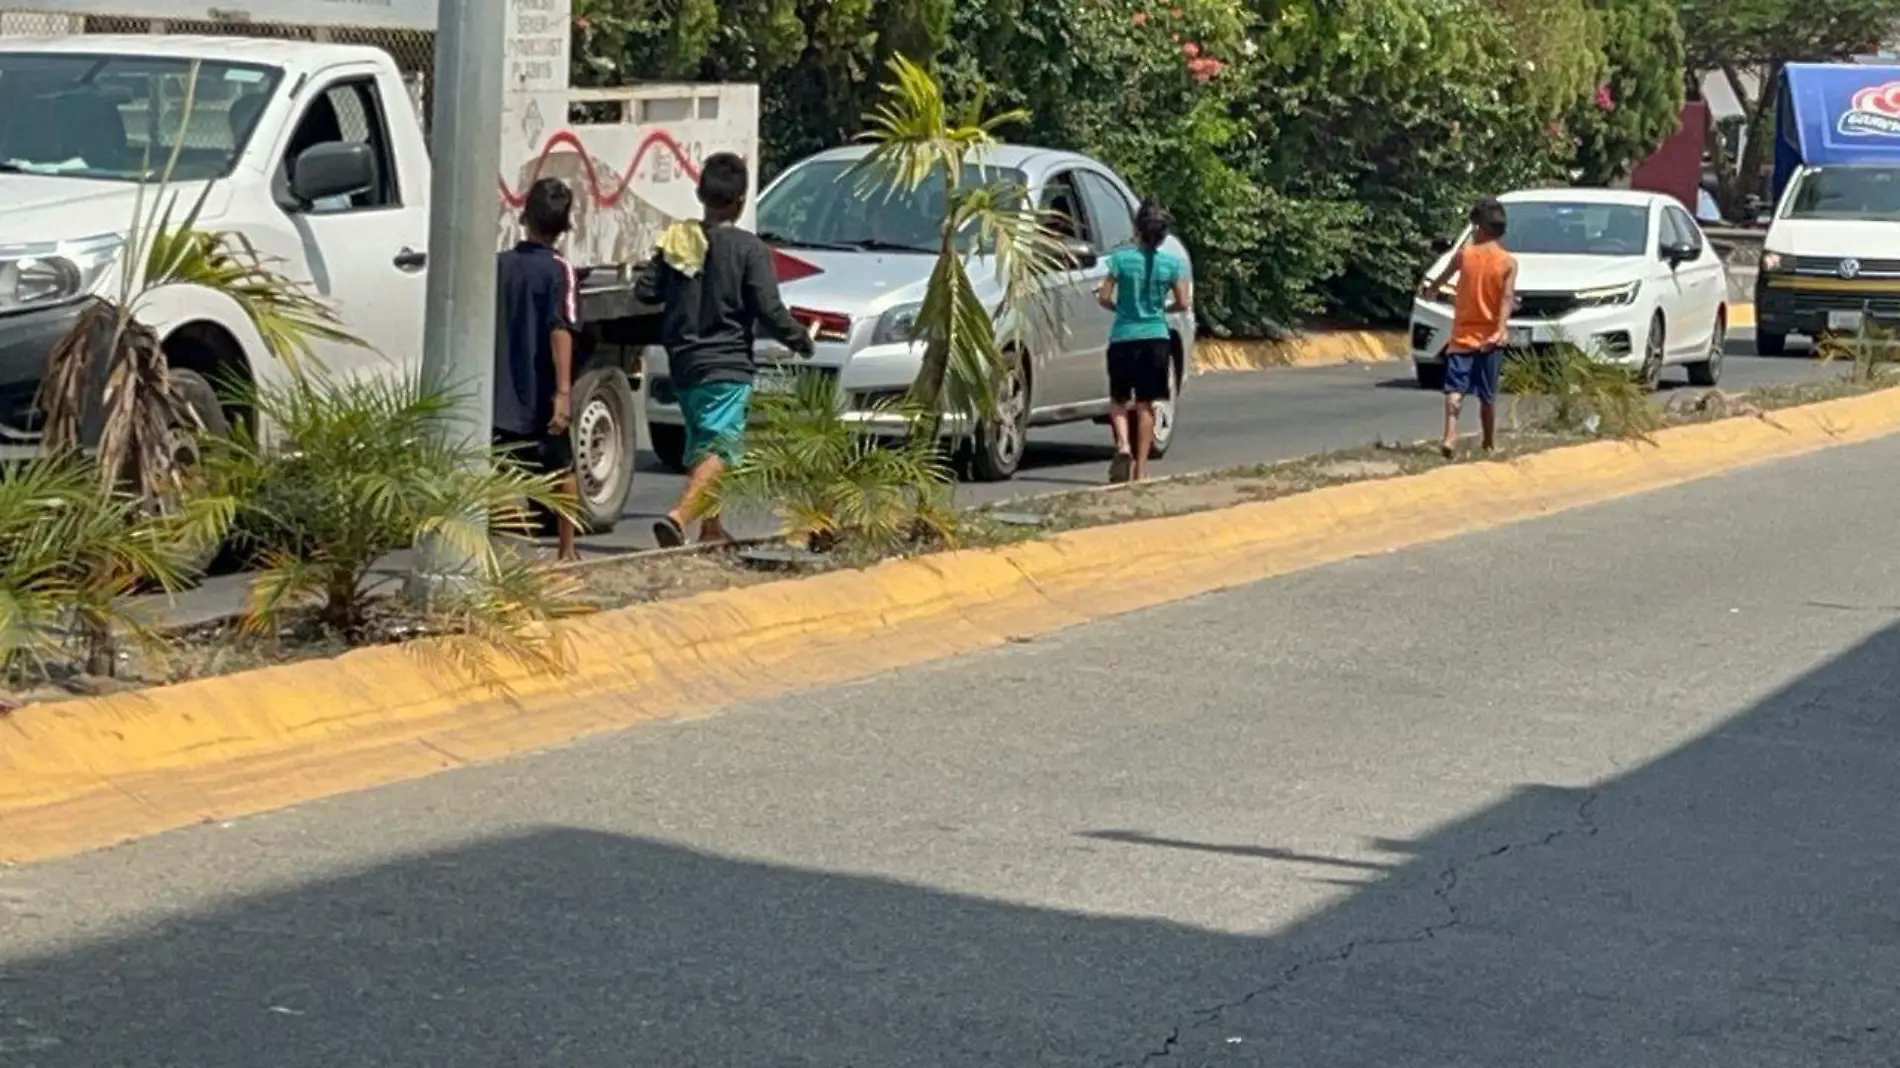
[166,248]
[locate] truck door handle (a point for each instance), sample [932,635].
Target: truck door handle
[411,260]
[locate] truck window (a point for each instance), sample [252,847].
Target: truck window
[121,118]
[1857,193]
[348,111]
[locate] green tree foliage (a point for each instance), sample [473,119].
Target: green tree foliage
[1747,42]
[819,60]
[1309,149]
[1638,106]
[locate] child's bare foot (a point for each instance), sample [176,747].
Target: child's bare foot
[1447,449]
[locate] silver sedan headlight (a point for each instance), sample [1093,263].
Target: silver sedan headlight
[898,326]
[51,273]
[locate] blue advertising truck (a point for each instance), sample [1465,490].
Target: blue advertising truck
[1831,258]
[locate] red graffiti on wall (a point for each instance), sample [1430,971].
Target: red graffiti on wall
[603,198]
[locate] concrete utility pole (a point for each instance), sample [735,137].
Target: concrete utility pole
[458,342]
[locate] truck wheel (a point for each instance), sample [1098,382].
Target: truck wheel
[206,418]
[602,433]
[1430,375]
[1770,343]
[669,444]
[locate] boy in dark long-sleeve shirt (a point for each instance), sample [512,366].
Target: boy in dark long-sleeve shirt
[715,284]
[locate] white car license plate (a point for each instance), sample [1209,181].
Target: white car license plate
[1844,322]
[1520,337]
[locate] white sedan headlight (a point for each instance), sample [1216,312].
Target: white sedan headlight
[43,275]
[1610,296]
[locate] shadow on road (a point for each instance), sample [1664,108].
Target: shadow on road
[1733,903]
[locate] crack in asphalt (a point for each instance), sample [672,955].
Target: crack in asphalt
[1448,879]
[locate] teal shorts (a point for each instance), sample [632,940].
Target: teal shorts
[715,414]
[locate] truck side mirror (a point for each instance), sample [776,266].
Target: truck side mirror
[332,169]
[1081,255]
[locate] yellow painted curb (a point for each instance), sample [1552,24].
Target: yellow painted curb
[1741,316]
[1306,350]
[91,772]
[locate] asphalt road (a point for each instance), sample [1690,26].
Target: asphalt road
[1614,788]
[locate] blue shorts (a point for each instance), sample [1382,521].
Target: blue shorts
[715,414]
[1474,374]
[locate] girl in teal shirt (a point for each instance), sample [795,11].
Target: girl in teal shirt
[1140,280]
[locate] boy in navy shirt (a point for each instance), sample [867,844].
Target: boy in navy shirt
[534,344]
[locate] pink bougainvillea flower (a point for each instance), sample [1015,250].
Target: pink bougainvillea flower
[1556,129]
[1190,49]
[1604,99]
[1140,18]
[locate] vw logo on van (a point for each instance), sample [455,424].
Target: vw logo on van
[1849,267]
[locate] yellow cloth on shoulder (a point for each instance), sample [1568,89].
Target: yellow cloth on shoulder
[683,247]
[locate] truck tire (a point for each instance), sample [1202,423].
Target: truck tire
[602,433]
[195,394]
[669,445]
[1770,343]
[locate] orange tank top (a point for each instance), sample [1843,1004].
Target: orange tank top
[1478,312]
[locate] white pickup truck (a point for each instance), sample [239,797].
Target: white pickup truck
[91,89]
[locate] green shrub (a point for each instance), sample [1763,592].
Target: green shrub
[361,468]
[1582,394]
[71,550]
[830,482]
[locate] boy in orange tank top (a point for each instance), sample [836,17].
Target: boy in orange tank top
[1480,323]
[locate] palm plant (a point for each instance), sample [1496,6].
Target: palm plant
[828,479]
[917,138]
[369,469]
[71,548]
[1584,393]
[140,411]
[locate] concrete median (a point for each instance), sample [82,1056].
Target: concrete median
[91,772]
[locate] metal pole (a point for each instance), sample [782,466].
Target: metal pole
[458,341]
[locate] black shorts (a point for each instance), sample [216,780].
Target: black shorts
[541,454]
[1140,371]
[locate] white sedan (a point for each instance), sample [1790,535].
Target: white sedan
[1626,276]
